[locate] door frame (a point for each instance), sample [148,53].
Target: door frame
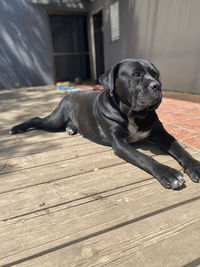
[55,12]
[92,43]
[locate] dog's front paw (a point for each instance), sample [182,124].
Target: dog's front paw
[170,178]
[193,170]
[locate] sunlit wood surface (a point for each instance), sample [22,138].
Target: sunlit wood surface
[65,201]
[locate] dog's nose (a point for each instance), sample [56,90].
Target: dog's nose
[154,85]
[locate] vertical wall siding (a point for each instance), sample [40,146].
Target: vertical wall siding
[24,45]
[167,32]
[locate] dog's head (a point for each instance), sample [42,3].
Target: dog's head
[135,82]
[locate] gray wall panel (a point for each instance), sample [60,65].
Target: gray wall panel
[24,44]
[167,32]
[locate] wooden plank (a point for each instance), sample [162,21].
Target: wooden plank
[111,227]
[44,162]
[38,158]
[57,170]
[80,186]
[34,156]
[128,164]
[126,247]
[39,147]
[32,137]
[90,210]
[121,178]
[23,145]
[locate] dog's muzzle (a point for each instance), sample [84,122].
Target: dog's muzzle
[154,86]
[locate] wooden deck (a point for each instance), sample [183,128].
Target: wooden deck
[65,201]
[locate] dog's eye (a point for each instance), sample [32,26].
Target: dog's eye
[136,74]
[155,76]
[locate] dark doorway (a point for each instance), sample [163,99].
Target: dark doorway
[70,47]
[98,41]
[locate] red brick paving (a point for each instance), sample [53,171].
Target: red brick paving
[182,119]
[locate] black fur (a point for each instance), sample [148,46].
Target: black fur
[123,111]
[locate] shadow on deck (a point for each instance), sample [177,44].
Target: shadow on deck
[68,202]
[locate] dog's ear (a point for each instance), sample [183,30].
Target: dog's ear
[107,80]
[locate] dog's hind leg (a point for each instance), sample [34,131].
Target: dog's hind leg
[53,122]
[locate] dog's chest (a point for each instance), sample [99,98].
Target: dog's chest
[134,134]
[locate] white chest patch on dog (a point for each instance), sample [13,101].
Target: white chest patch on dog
[134,134]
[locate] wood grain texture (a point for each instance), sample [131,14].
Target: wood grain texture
[65,201]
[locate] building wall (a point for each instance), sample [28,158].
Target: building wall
[24,45]
[166,32]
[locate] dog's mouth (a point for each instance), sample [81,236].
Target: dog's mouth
[141,113]
[147,103]
[150,106]
[153,105]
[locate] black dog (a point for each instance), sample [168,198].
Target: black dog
[124,112]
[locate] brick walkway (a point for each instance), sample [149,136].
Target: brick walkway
[182,119]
